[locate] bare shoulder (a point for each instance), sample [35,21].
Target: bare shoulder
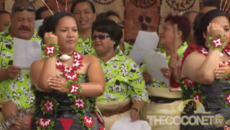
[89,58]
[194,56]
[37,63]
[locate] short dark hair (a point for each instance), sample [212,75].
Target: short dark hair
[40,11]
[110,27]
[22,3]
[81,1]
[100,16]
[50,23]
[111,13]
[183,25]
[4,12]
[187,13]
[213,3]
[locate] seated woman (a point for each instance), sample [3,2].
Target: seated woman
[125,92]
[112,15]
[67,83]
[198,78]
[166,42]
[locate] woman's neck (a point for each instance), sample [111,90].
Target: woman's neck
[170,51]
[85,33]
[106,57]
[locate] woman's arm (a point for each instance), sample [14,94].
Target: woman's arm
[200,68]
[96,84]
[40,72]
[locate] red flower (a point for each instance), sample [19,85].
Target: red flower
[227,97]
[217,42]
[98,116]
[189,82]
[78,56]
[49,50]
[71,76]
[74,89]
[221,63]
[48,105]
[88,121]
[80,103]
[203,51]
[197,97]
[101,128]
[44,123]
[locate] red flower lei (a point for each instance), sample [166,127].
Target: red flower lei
[197,95]
[45,124]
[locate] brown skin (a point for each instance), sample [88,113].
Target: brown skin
[105,51]
[44,69]
[166,36]
[200,68]
[85,18]
[22,26]
[4,21]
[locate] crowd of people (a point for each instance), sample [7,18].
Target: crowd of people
[86,80]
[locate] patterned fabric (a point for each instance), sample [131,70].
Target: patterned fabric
[127,48]
[215,99]
[17,90]
[56,111]
[85,47]
[123,80]
[156,83]
[146,17]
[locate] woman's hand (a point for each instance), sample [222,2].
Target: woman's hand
[215,29]
[134,114]
[166,72]
[147,77]
[58,83]
[174,62]
[50,38]
[222,73]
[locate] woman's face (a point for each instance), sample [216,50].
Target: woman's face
[223,22]
[102,42]
[166,34]
[67,34]
[84,15]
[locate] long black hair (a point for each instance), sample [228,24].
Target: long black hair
[50,23]
[203,24]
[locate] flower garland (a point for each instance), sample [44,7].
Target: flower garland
[49,105]
[216,42]
[50,50]
[44,124]
[189,85]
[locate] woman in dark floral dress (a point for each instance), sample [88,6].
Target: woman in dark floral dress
[67,83]
[204,74]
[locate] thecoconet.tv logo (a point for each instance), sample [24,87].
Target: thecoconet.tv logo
[200,116]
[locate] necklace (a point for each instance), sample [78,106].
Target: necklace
[77,63]
[65,57]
